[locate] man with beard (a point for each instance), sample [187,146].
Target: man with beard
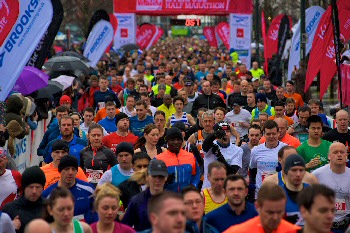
[121,135]
[237,210]
[76,144]
[217,146]
[30,205]
[182,167]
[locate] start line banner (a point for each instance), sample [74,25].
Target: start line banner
[192,7]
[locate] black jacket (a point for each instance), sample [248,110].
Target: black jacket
[129,189]
[26,210]
[207,101]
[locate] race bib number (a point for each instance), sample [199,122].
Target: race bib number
[93,176]
[266,174]
[101,105]
[340,205]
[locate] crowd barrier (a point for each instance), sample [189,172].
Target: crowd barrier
[26,148]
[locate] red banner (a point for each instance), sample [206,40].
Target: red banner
[209,33]
[322,56]
[263,28]
[324,30]
[189,7]
[328,66]
[114,21]
[272,38]
[146,35]
[159,35]
[345,87]
[223,30]
[9,11]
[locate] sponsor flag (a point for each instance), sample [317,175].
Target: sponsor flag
[240,36]
[24,34]
[96,17]
[100,37]
[328,66]
[263,28]
[126,31]
[313,17]
[345,87]
[209,33]
[41,51]
[319,44]
[271,46]
[114,21]
[146,35]
[283,35]
[223,30]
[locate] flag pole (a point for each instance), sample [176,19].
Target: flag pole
[336,32]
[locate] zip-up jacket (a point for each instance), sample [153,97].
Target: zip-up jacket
[183,169]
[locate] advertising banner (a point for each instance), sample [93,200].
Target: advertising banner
[126,31]
[240,36]
[328,65]
[345,87]
[322,55]
[192,7]
[223,31]
[313,16]
[146,35]
[209,33]
[99,39]
[263,29]
[34,17]
[42,49]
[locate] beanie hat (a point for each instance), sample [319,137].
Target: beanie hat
[124,147]
[33,175]
[68,161]
[65,99]
[60,145]
[261,97]
[173,133]
[120,116]
[293,161]
[180,125]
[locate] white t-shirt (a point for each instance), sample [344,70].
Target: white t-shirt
[232,154]
[235,119]
[340,183]
[6,224]
[265,160]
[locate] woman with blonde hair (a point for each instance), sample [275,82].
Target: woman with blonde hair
[107,207]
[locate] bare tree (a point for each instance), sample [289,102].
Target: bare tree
[79,12]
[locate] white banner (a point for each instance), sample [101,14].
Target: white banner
[126,31]
[34,18]
[312,18]
[99,39]
[240,36]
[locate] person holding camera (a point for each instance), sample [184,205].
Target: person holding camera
[217,147]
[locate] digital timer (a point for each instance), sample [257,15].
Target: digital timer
[185,22]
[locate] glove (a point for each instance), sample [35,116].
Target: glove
[220,134]
[216,150]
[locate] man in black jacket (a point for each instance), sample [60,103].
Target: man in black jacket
[31,204]
[207,99]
